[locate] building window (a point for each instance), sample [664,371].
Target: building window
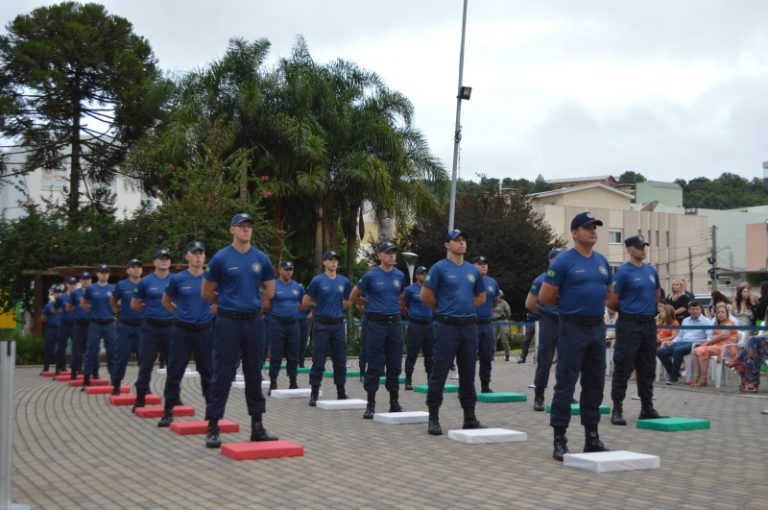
[615,236]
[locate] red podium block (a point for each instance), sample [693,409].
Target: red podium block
[94,382]
[262,450]
[158,411]
[185,428]
[129,400]
[48,373]
[105,390]
[67,377]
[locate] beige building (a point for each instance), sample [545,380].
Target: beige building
[678,242]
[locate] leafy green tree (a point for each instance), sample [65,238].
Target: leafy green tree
[77,88]
[630,177]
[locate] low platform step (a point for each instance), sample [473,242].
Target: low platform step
[486,436]
[162,371]
[239,377]
[502,396]
[604,462]
[48,373]
[252,450]
[576,409]
[303,370]
[94,382]
[185,428]
[240,385]
[342,405]
[403,418]
[674,424]
[297,393]
[191,374]
[105,390]
[67,377]
[159,411]
[400,379]
[129,400]
[448,388]
[266,366]
[350,373]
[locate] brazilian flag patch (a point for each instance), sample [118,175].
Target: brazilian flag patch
[551,273]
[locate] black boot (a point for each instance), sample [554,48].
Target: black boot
[167,418]
[394,405]
[521,360]
[272,384]
[341,392]
[485,387]
[433,427]
[370,409]
[592,442]
[72,374]
[313,396]
[617,415]
[409,382]
[116,386]
[506,357]
[560,444]
[258,432]
[647,412]
[86,382]
[538,399]
[140,400]
[212,439]
[470,420]
[293,385]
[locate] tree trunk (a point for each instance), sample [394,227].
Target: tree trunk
[276,250]
[319,239]
[75,171]
[350,233]
[244,182]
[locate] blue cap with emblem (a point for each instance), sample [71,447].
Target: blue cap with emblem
[133,263]
[239,218]
[420,269]
[195,246]
[72,280]
[455,234]
[162,253]
[480,259]
[85,275]
[286,264]
[330,254]
[584,219]
[386,246]
[635,241]
[102,268]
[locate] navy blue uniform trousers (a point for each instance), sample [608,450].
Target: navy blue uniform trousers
[65,332]
[96,332]
[128,340]
[384,344]
[363,357]
[284,343]
[184,342]
[325,336]
[545,352]
[421,337]
[486,349]
[459,341]
[234,339]
[303,339]
[49,350]
[635,348]
[79,340]
[153,340]
[581,350]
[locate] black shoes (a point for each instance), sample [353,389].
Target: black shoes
[341,392]
[370,409]
[485,387]
[86,382]
[560,444]
[470,420]
[408,384]
[167,418]
[433,426]
[649,413]
[293,385]
[520,361]
[538,400]
[394,405]
[116,386]
[258,432]
[212,438]
[592,442]
[313,396]
[140,400]
[617,417]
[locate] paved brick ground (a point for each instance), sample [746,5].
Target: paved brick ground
[74,450]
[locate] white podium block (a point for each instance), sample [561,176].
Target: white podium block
[239,377]
[454,377]
[532,386]
[162,371]
[191,374]
[298,393]
[341,405]
[765,411]
[402,418]
[264,384]
[240,385]
[486,436]
[604,462]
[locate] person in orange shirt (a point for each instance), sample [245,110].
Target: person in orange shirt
[666,317]
[713,346]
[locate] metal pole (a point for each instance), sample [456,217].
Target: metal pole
[7,365]
[457,132]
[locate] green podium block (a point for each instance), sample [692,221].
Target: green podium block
[266,366]
[448,388]
[674,424]
[350,373]
[303,370]
[502,396]
[400,380]
[576,409]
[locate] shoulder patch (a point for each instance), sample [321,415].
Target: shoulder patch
[551,273]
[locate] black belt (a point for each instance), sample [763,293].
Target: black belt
[160,323]
[582,321]
[378,317]
[103,321]
[239,316]
[329,320]
[284,320]
[52,326]
[484,321]
[456,321]
[194,326]
[497,319]
[133,324]
[67,323]
[420,321]
[81,321]
[636,318]
[550,316]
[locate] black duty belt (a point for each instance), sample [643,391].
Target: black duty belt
[52,326]
[484,321]
[67,323]
[132,324]
[582,321]
[81,321]
[160,323]
[423,322]
[103,321]
[329,320]
[456,321]
[550,316]
[194,326]
[636,318]
[284,320]
[378,317]
[239,316]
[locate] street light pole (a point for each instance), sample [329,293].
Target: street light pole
[457,132]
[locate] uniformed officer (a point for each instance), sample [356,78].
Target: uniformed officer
[239,277]
[284,328]
[636,291]
[193,331]
[303,316]
[578,282]
[67,315]
[549,319]
[421,329]
[158,321]
[131,321]
[96,300]
[328,293]
[52,323]
[80,327]
[382,287]
[486,340]
[453,289]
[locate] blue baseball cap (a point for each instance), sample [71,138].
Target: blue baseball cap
[584,219]
[239,218]
[162,253]
[102,268]
[85,274]
[636,241]
[133,262]
[455,234]
[554,252]
[419,270]
[287,264]
[195,246]
[72,280]
[330,254]
[480,259]
[386,246]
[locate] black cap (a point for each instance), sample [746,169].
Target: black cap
[239,218]
[85,274]
[195,246]
[57,288]
[636,241]
[419,270]
[480,260]
[584,219]
[287,264]
[71,280]
[102,268]
[162,252]
[386,246]
[134,262]
[330,254]
[455,234]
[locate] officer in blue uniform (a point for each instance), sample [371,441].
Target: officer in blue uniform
[52,323]
[239,277]
[303,316]
[96,300]
[193,332]
[486,340]
[328,293]
[131,321]
[284,328]
[378,291]
[67,323]
[636,291]
[549,319]
[421,329]
[453,289]
[158,321]
[80,327]
[578,281]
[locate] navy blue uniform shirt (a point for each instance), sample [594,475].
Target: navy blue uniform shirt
[329,295]
[382,290]
[485,311]
[124,291]
[416,308]
[287,298]
[184,289]
[455,287]
[61,306]
[150,289]
[76,295]
[534,291]
[239,277]
[583,282]
[636,287]
[98,297]
[52,317]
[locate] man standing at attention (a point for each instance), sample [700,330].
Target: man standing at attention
[635,294]
[421,330]
[453,289]
[239,277]
[578,282]
[131,321]
[486,340]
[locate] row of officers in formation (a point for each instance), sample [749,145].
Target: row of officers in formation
[236,309]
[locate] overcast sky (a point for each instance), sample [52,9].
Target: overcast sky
[563,88]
